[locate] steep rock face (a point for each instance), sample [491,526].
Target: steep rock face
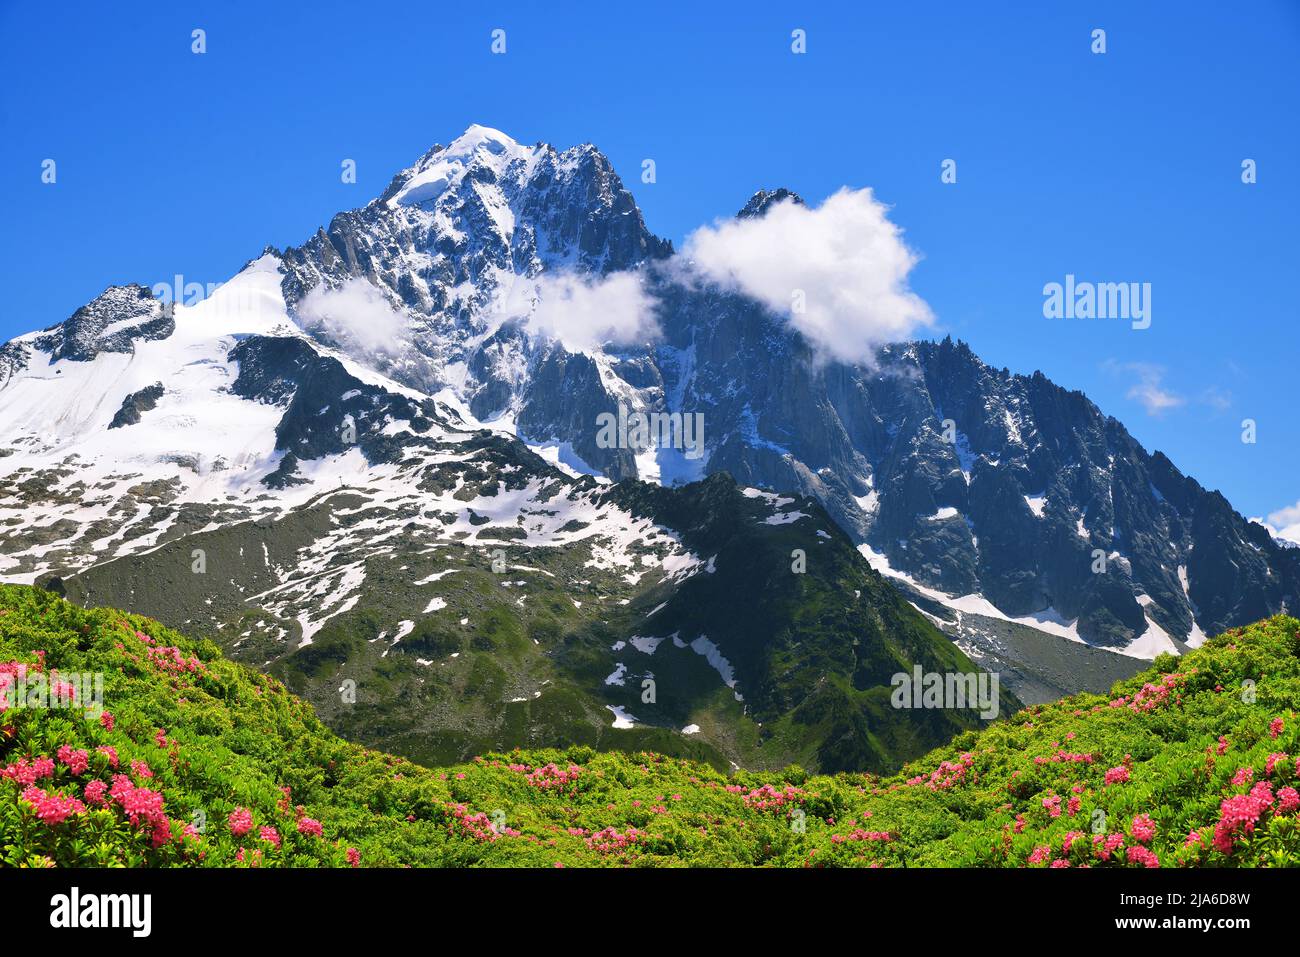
[112,322]
[327,409]
[13,360]
[136,404]
[563,398]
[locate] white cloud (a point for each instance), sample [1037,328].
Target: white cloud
[355,315]
[1155,400]
[1149,388]
[584,313]
[845,259]
[1285,523]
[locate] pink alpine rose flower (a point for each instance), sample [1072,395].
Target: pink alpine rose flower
[1143,829]
[241,821]
[75,759]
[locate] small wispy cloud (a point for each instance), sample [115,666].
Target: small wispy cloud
[355,316]
[584,313]
[1147,386]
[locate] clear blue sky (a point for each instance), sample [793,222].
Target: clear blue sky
[1114,167]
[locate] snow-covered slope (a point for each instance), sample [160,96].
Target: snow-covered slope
[80,484]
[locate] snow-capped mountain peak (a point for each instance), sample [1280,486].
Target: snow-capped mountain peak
[442,169]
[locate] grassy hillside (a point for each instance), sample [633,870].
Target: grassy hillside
[202,761]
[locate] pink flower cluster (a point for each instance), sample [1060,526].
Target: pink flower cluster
[1143,829]
[1151,696]
[1288,801]
[24,773]
[10,673]
[861,834]
[1239,814]
[50,806]
[311,826]
[240,821]
[62,690]
[1064,757]
[170,658]
[1137,854]
[76,759]
[769,798]
[142,806]
[1117,775]
[949,773]
[610,840]
[1108,844]
[550,776]
[95,791]
[478,825]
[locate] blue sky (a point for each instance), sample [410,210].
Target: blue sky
[1123,166]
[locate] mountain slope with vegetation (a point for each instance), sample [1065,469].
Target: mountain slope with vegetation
[195,760]
[627,616]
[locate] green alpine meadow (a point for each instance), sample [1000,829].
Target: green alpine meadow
[126,744]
